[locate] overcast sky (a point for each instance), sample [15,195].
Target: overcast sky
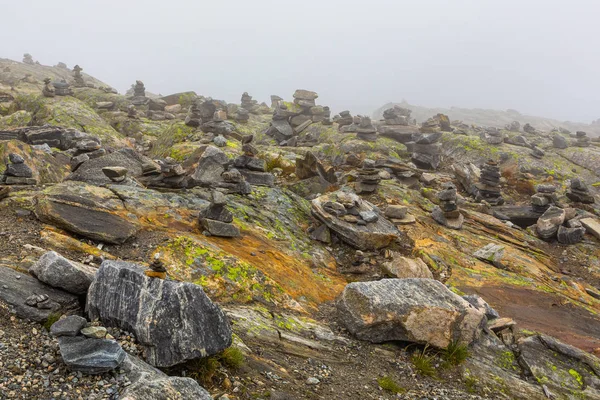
[540,57]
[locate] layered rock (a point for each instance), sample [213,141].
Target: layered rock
[489,184]
[396,124]
[354,220]
[447,213]
[582,139]
[492,136]
[368,178]
[216,220]
[427,151]
[55,270]
[415,310]
[173,321]
[545,197]
[17,172]
[252,168]
[579,192]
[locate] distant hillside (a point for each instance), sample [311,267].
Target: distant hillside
[495,118]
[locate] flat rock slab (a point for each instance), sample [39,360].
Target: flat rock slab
[16,287]
[374,235]
[90,356]
[592,226]
[415,310]
[94,212]
[173,321]
[91,171]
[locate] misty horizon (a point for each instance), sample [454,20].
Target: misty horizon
[536,58]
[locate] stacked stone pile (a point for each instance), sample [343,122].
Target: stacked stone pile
[492,135]
[139,94]
[579,192]
[447,213]
[193,119]
[366,131]
[582,139]
[544,198]
[426,150]
[368,178]
[216,220]
[489,184]
[561,224]
[48,90]
[77,77]
[17,172]
[62,88]
[252,168]
[396,124]
[343,119]
[437,123]
[248,104]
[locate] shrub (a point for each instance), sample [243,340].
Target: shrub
[232,357]
[423,362]
[455,353]
[52,318]
[387,383]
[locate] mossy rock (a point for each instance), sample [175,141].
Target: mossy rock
[45,167]
[176,133]
[16,119]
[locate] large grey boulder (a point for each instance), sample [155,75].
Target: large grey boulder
[414,310]
[90,356]
[548,223]
[211,165]
[30,299]
[148,383]
[173,321]
[91,171]
[55,270]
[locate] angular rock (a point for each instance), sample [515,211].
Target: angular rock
[90,356]
[210,166]
[548,223]
[403,267]
[480,304]
[591,226]
[55,270]
[95,332]
[68,326]
[492,253]
[414,310]
[570,235]
[220,229]
[173,321]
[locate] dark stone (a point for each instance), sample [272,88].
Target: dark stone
[218,228]
[68,326]
[217,212]
[18,170]
[55,270]
[90,356]
[570,235]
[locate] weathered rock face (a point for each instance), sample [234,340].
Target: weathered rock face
[173,321]
[91,171]
[403,267]
[210,166]
[94,212]
[377,233]
[414,310]
[31,299]
[90,356]
[57,271]
[548,223]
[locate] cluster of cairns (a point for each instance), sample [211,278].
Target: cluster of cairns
[394,124]
[347,209]
[488,187]
[17,172]
[252,168]
[560,223]
[447,213]
[77,77]
[368,178]
[492,135]
[579,192]
[291,119]
[216,220]
[426,150]
[544,197]
[582,139]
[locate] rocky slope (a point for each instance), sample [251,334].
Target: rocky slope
[274,251]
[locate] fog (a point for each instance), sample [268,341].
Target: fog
[537,56]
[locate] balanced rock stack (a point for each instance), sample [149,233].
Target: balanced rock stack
[579,192]
[139,94]
[447,213]
[242,115]
[216,220]
[560,223]
[399,215]
[17,173]
[582,139]
[426,150]
[252,168]
[489,184]
[514,126]
[368,178]
[77,77]
[544,198]
[248,104]
[492,135]
[48,90]
[396,124]
[366,130]
[529,129]
[62,88]
[343,119]
[194,118]
[157,268]
[115,174]
[439,122]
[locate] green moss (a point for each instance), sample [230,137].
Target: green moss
[577,376]
[387,383]
[174,134]
[506,360]
[52,318]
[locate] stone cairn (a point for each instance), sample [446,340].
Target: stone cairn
[579,192]
[28,59]
[216,220]
[77,77]
[447,213]
[582,139]
[253,169]
[291,119]
[489,184]
[157,268]
[343,119]
[366,131]
[17,172]
[48,90]
[492,135]
[396,124]
[350,208]
[561,224]
[115,174]
[544,197]
[426,150]
[62,88]
[368,178]
[439,122]
[248,104]
[139,94]
[193,119]
[514,126]
[559,142]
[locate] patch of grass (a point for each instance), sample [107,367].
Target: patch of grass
[232,357]
[423,362]
[204,370]
[387,383]
[471,384]
[52,318]
[455,353]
